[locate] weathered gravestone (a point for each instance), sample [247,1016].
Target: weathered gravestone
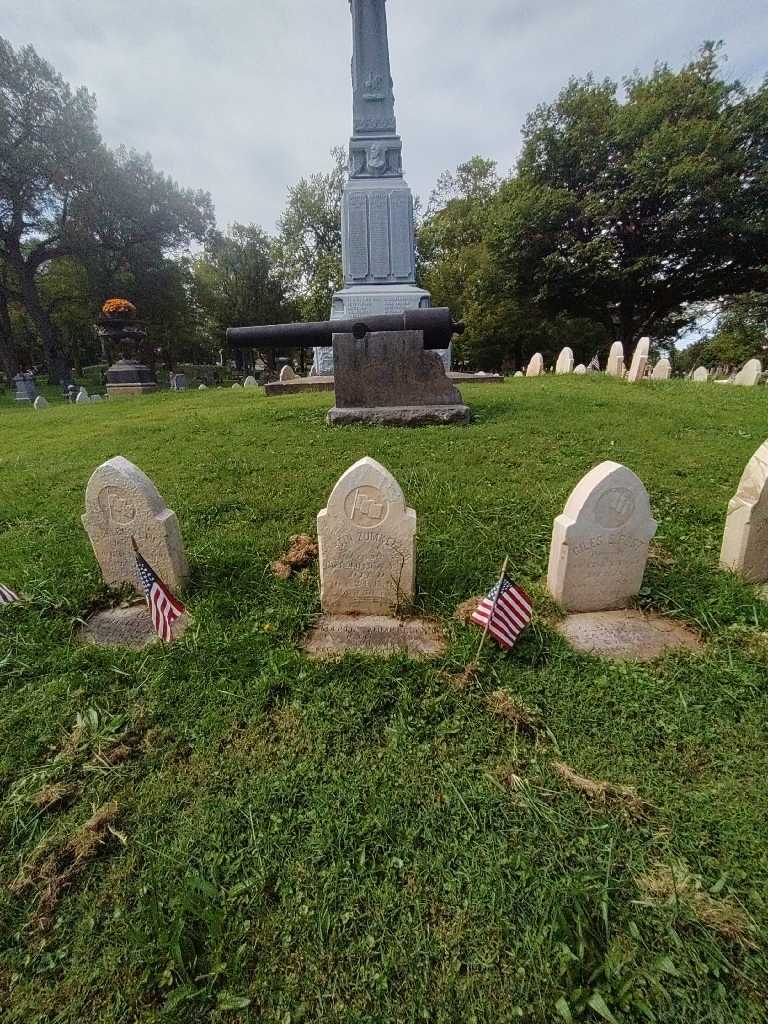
[750,374]
[745,543]
[639,361]
[96,398]
[202,387]
[367,544]
[519,373]
[565,362]
[121,504]
[615,367]
[287,373]
[82,397]
[600,542]
[536,366]
[662,370]
[580,370]
[250,382]
[701,375]
[237,387]
[26,389]
[40,403]
[389,378]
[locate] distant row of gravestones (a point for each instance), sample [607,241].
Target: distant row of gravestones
[367,537]
[748,376]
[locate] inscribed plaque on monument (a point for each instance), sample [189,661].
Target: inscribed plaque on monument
[122,503]
[357,236]
[367,541]
[378,227]
[600,542]
[401,230]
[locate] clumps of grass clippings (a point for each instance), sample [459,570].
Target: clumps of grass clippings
[676,885]
[605,793]
[302,552]
[54,796]
[52,868]
[466,610]
[505,706]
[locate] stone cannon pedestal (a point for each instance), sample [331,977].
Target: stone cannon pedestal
[128,378]
[389,379]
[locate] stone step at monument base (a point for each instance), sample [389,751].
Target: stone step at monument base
[298,386]
[401,416]
[130,390]
[475,378]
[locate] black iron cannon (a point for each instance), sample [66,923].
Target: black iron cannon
[437,326]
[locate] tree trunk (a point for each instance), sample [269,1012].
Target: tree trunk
[56,360]
[8,357]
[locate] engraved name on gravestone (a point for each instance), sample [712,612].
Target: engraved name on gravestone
[122,503]
[745,542]
[600,542]
[367,542]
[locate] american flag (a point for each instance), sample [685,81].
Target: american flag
[505,613]
[163,606]
[595,364]
[7,596]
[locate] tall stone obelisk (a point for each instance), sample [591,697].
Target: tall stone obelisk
[378,243]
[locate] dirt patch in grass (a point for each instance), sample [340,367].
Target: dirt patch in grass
[505,706]
[301,553]
[604,793]
[676,885]
[53,867]
[55,796]
[466,610]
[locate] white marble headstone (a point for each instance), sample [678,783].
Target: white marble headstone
[600,542]
[287,373]
[662,370]
[122,503]
[250,382]
[40,403]
[536,366]
[615,367]
[367,542]
[82,396]
[580,370]
[639,361]
[750,374]
[701,375]
[745,543]
[565,362]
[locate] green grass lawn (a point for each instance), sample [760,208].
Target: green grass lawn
[365,841]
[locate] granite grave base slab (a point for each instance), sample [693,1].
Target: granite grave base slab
[298,386]
[127,626]
[335,635]
[626,635]
[400,416]
[131,390]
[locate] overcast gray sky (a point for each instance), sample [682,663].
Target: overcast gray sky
[243,97]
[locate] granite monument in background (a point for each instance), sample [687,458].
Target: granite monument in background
[378,242]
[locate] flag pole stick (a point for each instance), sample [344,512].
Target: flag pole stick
[493,610]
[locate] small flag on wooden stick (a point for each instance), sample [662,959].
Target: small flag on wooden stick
[8,596]
[504,613]
[164,608]
[595,364]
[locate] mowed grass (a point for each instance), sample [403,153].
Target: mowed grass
[366,841]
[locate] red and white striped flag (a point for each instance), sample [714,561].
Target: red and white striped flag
[504,613]
[164,608]
[8,596]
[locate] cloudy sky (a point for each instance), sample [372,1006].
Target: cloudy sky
[243,97]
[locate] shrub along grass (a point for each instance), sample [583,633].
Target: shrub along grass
[367,841]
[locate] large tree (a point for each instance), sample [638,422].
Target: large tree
[627,210]
[63,194]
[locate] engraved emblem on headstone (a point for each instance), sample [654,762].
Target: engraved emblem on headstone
[366,506]
[615,508]
[117,508]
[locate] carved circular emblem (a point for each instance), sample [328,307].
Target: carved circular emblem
[116,507]
[615,508]
[366,507]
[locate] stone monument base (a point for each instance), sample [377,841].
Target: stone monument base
[400,416]
[626,635]
[298,386]
[130,390]
[128,626]
[335,635]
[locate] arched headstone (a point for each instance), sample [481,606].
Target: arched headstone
[639,361]
[519,373]
[237,387]
[202,387]
[250,382]
[122,503]
[565,362]
[82,396]
[600,542]
[580,370]
[367,542]
[750,374]
[745,543]
[701,375]
[40,403]
[287,373]
[615,367]
[662,370]
[536,366]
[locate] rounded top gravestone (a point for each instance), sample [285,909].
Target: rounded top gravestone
[565,362]
[600,542]
[615,367]
[745,543]
[287,373]
[122,504]
[367,539]
[639,361]
[536,366]
[750,374]
[40,403]
[662,370]
[701,375]
[250,382]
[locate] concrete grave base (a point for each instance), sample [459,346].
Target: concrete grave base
[626,635]
[335,635]
[129,626]
[400,416]
[130,390]
[298,386]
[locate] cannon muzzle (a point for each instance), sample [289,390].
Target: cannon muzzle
[437,326]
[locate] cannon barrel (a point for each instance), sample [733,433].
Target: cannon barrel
[437,325]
